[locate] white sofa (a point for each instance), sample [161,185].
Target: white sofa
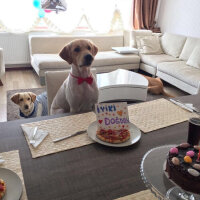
[170,66]
[173,65]
[44,53]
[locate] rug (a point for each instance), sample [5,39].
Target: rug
[13,109]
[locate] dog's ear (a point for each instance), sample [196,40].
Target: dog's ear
[65,54]
[94,50]
[33,96]
[15,98]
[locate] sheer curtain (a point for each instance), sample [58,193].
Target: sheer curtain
[17,15]
[22,16]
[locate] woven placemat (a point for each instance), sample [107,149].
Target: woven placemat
[143,195]
[160,113]
[60,127]
[12,162]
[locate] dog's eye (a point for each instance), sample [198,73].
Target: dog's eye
[28,99]
[20,99]
[89,48]
[77,49]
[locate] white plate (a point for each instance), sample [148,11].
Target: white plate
[13,184]
[135,135]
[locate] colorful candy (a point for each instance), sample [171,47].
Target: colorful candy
[184,145]
[187,159]
[193,172]
[196,166]
[175,161]
[190,153]
[173,150]
[197,147]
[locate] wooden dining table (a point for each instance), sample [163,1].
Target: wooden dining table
[92,172]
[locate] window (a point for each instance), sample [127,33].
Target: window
[23,16]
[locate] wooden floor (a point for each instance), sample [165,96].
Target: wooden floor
[16,79]
[25,79]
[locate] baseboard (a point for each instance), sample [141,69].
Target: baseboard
[18,67]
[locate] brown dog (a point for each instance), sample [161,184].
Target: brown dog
[25,101]
[31,105]
[156,86]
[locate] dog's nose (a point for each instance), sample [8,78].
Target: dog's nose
[26,107]
[88,59]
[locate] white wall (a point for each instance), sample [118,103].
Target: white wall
[180,17]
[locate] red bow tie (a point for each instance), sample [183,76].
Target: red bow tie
[89,80]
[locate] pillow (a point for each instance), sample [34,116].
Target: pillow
[136,33]
[172,44]
[194,59]
[149,45]
[138,40]
[189,46]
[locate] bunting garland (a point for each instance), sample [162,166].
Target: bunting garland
[83,25]
[48,25]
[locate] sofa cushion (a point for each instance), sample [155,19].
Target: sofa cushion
[150,45]
[194,59]
[53,61]
[136,33]
[172,44]
[54,44]
[153,60]
[181,71]
[139,38]
[49,61]
[113,58]
[189,46]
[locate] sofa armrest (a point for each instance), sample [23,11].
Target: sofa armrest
[127,38]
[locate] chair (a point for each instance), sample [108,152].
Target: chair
[2,66]
[54,80]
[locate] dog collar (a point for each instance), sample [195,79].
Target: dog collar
[80,80]
[22,114]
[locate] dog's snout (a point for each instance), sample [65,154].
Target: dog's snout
[26,107]
[88,59]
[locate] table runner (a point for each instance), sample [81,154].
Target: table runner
[12,162]
[160,113]
[147,116]
[60,127]
[143,195]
